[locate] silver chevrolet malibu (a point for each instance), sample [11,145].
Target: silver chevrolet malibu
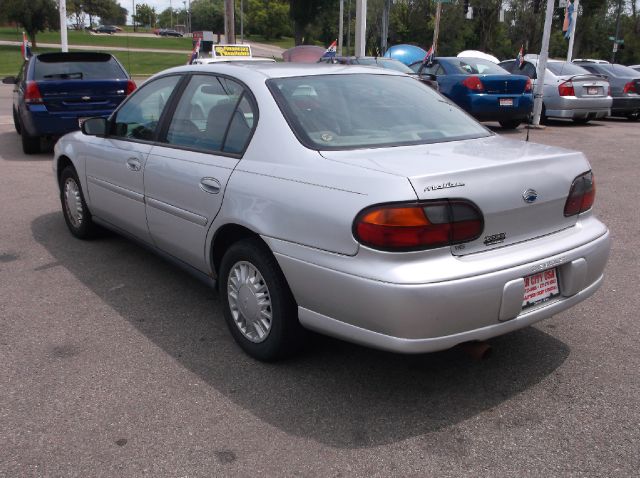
[353,202]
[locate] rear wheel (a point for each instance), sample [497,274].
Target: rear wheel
[30,144]
[74,208]
[510,124]
[581,120]
[16,121]
[259,307]
[634,116]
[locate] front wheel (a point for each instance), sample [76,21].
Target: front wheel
[510,124]
[259,307]
[634,116]
[74,208]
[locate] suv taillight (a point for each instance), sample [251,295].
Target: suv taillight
[473,83]
[566,89]
[32,94]
[630,88]
[418,226]
[529,86]
[131,87]
[582,195]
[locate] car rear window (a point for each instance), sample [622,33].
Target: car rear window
[476,66]
[388,64]
[561,68]
[77,66]
[333,112]
[619,70]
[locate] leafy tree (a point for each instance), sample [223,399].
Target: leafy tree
[145,15]
[33,15]
[303,13]
[269,18]
[208,15]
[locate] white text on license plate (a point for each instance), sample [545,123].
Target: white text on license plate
[506,101]
[593,90]
[540,287]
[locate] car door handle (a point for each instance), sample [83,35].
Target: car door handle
[133,164]
[210,185]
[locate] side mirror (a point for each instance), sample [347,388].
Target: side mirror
[9,80]
[94,127]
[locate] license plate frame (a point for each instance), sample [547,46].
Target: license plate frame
[592,90]
[506,101]
[540,287]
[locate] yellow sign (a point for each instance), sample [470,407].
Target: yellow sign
[231,50]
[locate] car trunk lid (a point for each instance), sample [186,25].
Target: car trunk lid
[82,95]
[504,84]
[587,86]
[521,188]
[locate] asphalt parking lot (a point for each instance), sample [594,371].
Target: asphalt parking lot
[115,363]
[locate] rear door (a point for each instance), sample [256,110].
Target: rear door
[115,164]
[186,175]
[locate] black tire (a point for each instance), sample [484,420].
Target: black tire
[510,124]
[634,116]
[285,336]
[581,120]
[30,144]
[543,115]
[84,228]
[16,122]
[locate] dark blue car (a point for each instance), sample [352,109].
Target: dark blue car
[54,92]
[482,88]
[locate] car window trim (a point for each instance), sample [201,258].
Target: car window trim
[162,140]
[114,115]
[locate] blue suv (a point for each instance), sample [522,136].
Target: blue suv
[55,92]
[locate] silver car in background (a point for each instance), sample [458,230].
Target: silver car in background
[570,91]
[345,200]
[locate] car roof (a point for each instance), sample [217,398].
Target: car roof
[279,69]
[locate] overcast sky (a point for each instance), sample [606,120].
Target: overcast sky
[158,4]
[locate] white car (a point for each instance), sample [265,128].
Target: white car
[351,201]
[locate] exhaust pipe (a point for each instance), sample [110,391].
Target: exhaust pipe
[477,350]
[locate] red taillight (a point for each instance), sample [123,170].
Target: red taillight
[131,87]
[566,89]
[473,83]
[418,226]
[529,86]
[32,94]
[581,195]
[630,88]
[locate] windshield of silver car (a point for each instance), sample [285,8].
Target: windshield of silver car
[328,112]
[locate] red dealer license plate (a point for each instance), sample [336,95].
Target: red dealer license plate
[506,101]
[592,90]
[540,287]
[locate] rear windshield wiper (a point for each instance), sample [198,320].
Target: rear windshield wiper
[65,76]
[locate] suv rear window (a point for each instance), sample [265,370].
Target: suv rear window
[77,66]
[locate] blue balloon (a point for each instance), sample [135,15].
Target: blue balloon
[407,54]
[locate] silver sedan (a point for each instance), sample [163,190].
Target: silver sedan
[353,202]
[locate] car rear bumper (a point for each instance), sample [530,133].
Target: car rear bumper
[486,107]
[578,108]
[625,106]
[38,121]
[425,317]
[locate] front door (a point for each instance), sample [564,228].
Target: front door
[115,164]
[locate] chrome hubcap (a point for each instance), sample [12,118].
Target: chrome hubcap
[249,301]
[73,202]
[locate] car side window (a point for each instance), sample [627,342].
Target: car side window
[138,118]
[527,69]
[434,69]
[214,114]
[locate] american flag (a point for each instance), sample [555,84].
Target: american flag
[331,51]
[25,48]
[195,53]
[520,57]
[428,58]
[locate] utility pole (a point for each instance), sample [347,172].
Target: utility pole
[572,32]
[615,42]
[349,28]
[386,8]
[436,28]
[229,22]
[361,27]
[62,7]
[341,28]
[241,21]
[133,15]
[542,64]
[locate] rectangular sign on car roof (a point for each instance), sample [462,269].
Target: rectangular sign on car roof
[231,50]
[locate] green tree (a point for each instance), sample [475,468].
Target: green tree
[303,13]
[208,15]
[145,15]
[269,18]
[33,16]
